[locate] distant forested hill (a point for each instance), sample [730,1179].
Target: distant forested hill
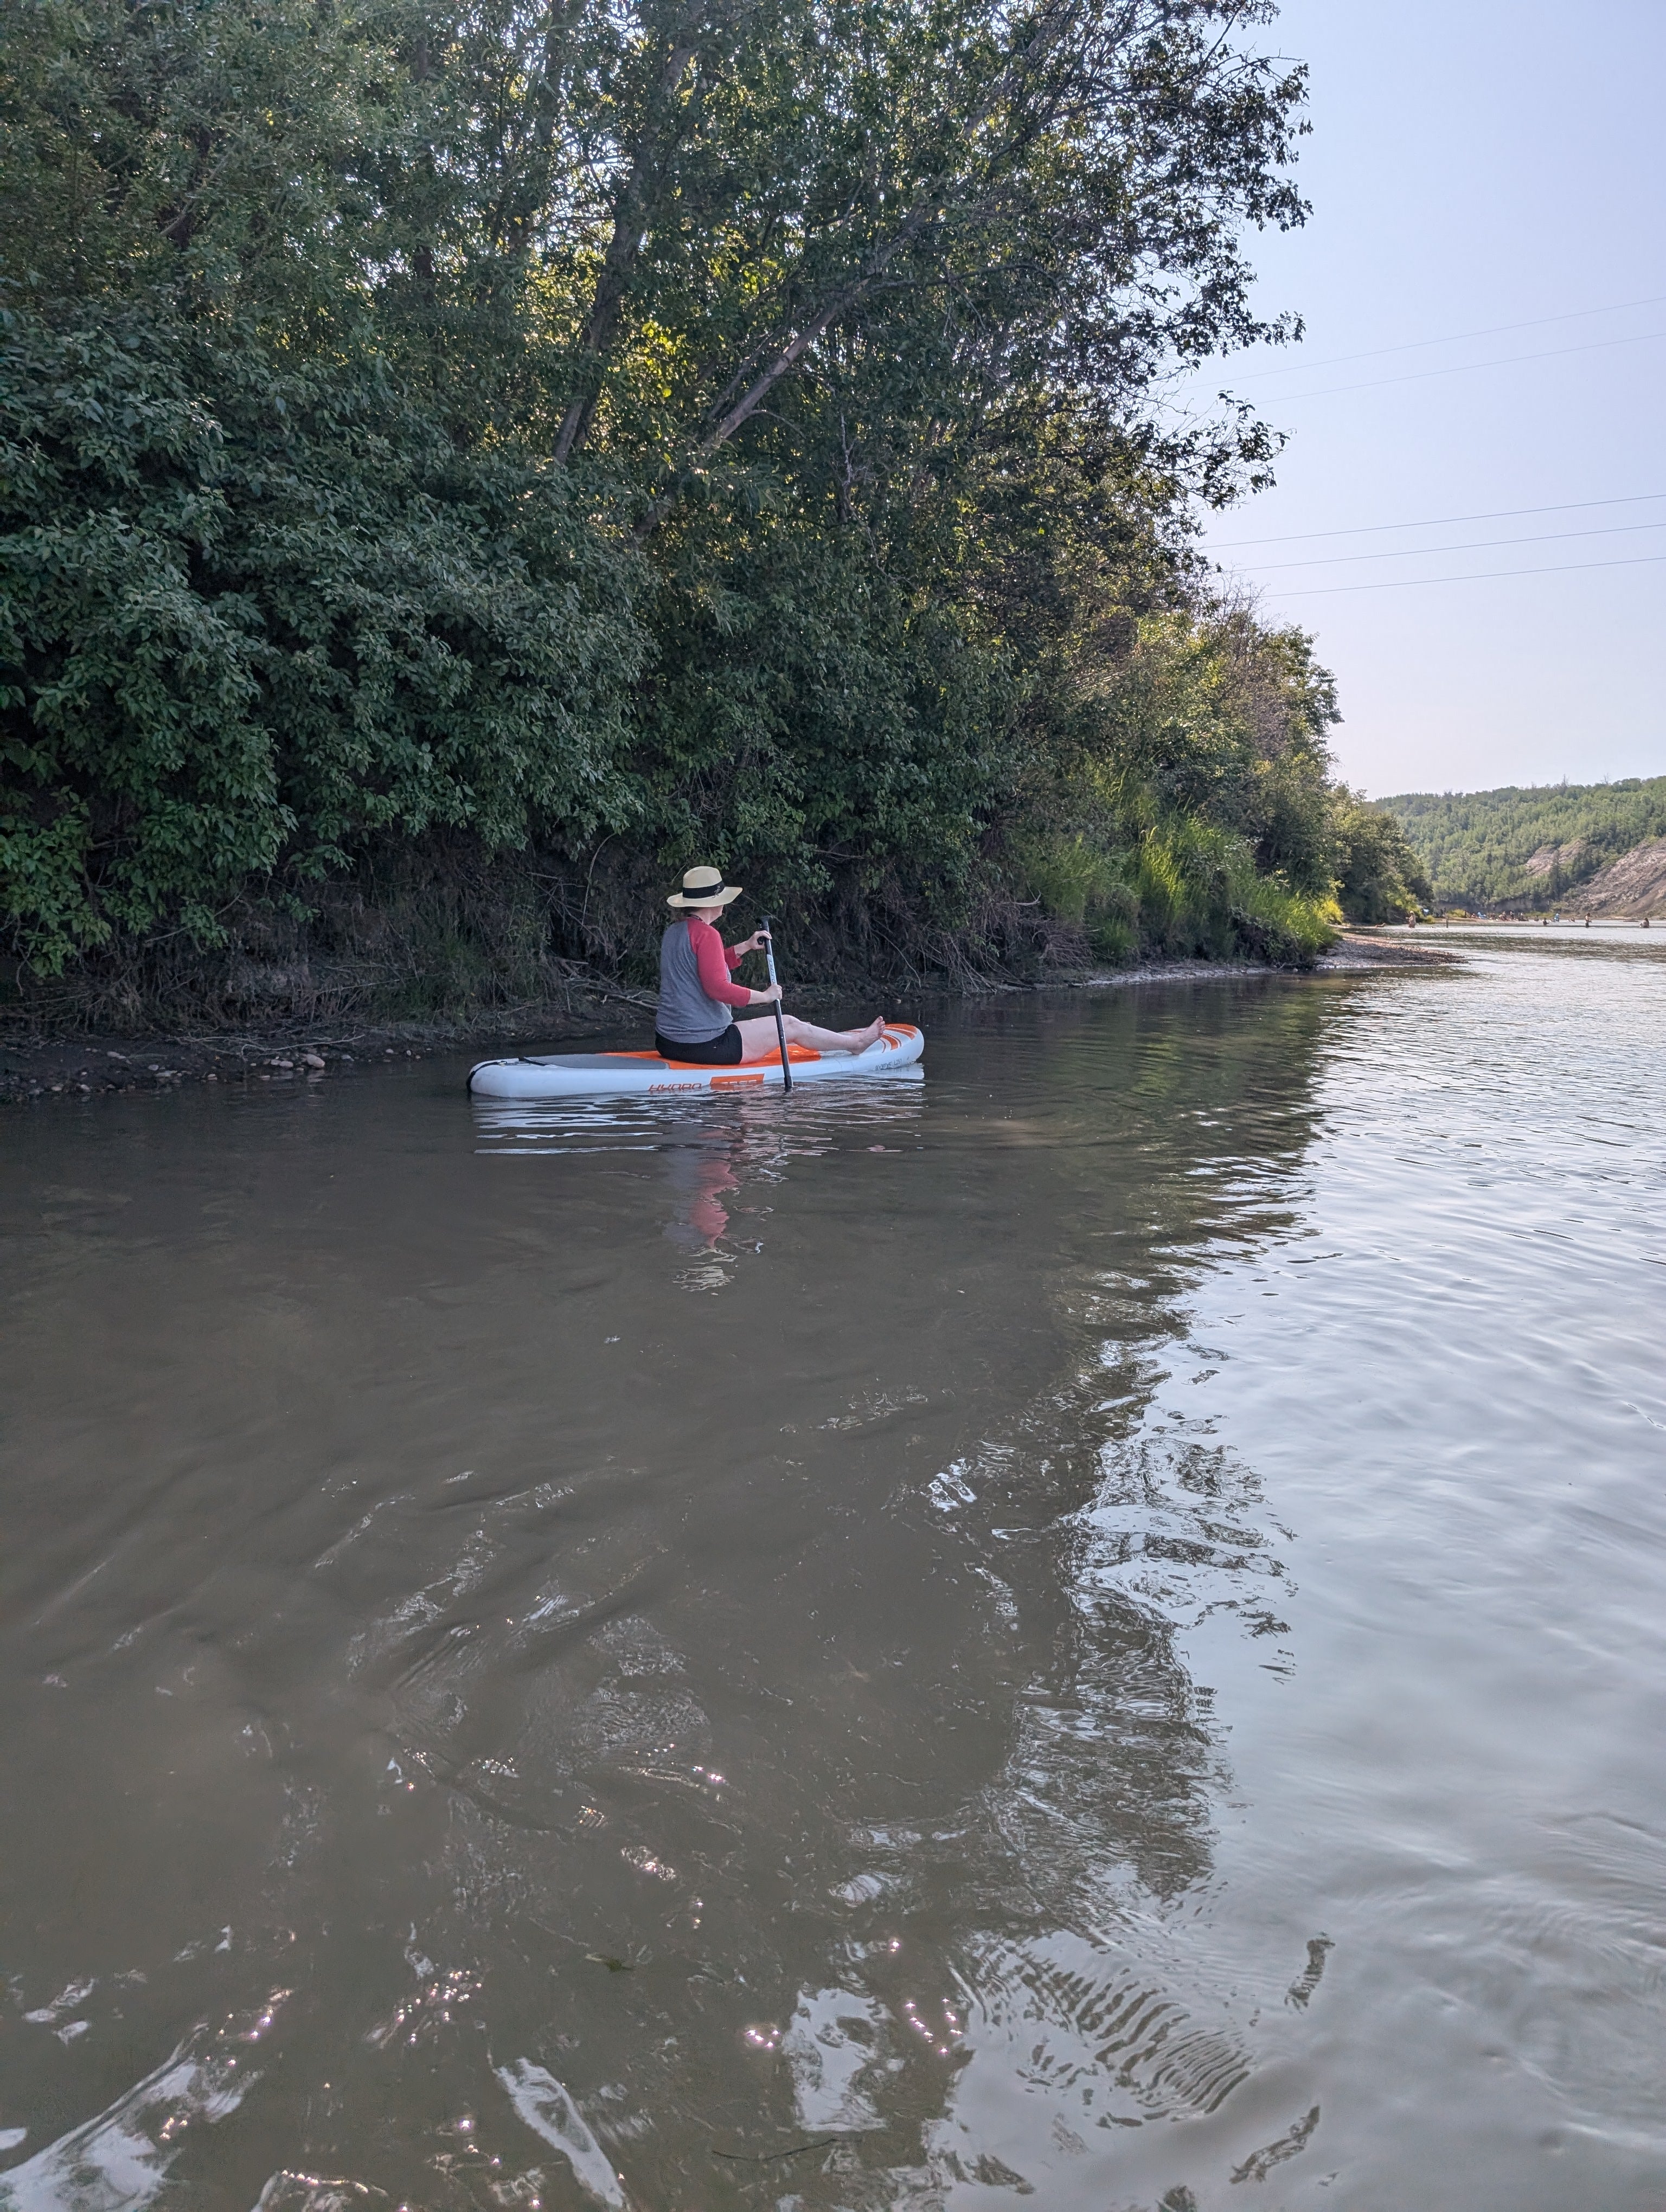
[1526,846]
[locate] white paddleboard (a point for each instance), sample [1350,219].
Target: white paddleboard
[580,1074]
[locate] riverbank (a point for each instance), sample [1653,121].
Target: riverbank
[37,1066]
[1354,952]
[1373,948]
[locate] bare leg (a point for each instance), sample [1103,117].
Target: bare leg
[759,1040]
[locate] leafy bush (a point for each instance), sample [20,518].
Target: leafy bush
[1380,876]
[1188,802]
[253,619]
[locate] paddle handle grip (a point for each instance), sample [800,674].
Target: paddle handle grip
[764,923]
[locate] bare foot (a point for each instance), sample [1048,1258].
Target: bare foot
[861,1039]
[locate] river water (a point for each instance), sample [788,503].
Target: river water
[1090,1626]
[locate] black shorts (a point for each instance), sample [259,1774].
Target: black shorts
[721,1051]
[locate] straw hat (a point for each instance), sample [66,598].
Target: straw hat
[704,887]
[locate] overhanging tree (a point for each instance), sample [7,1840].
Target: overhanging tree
[668,421]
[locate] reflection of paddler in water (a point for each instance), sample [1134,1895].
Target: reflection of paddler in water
[717,1149]
[712,1158]
[701,1174]
[698,993]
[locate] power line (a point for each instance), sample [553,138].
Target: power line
[1459,368]
[1482,575]
[1416,345]
[1438,521]
[1474,545]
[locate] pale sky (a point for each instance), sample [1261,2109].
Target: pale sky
[1473,163]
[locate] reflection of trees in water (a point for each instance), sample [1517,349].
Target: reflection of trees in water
[976,1794]
[858,1793]
[1094,1543]
[1116,1537]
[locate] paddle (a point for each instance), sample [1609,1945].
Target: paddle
[780,1026]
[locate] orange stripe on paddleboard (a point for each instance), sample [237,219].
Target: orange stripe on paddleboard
[796,1055]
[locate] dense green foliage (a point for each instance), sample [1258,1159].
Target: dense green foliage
[1382,878]
[1528,847]
[615,435]
[1182,800]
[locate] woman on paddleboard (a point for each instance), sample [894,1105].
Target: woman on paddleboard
[697,992]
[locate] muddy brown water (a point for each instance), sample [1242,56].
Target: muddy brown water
[1090,1626]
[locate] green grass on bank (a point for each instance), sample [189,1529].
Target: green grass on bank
[1184,889]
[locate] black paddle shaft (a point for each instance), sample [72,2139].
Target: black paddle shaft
[780,1027]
